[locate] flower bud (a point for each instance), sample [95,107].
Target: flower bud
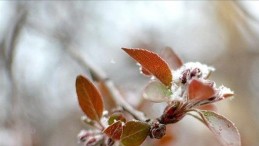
[157,130]
[173,113]
[110,142]
[185,76]
[94,140]
[83,135]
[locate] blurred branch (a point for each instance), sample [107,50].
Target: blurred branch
[13,37]
[100,76]
[8,50]
[66,39]
[245,12]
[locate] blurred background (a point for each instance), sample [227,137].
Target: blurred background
[43,46]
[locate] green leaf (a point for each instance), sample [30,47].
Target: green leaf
[134,133]
[225,131]
[89,98]
[156,92]
[114,131]
[116,117]
[152,63]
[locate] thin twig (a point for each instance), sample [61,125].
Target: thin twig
[196,117]
[202,119]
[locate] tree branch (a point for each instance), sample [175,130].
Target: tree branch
[100,76]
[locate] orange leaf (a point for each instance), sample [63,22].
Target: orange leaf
[114,131]
[199,91]
[171,58]
[89,98]
[154,64]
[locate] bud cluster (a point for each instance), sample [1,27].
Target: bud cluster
[157,130]
[90,137]
[174,112]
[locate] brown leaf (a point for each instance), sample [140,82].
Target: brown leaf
[114,131]
[134,133]
[109,102]
[152,63]
[225,131]
[89,98]
[171,58]
[198,90]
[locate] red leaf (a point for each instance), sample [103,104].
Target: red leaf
[89,98]
[134,133]
[153,64]
[198,90]
[225,131]
[114,131]
[171,58]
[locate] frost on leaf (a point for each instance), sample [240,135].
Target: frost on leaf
[89,98]
[225,131]
[156,92]
[225,92]
[114,131]
[204,71]
[152,64]
[134,133]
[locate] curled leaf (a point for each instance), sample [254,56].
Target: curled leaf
[152,63]
[144,71]
[134,133]
[114,131]
[225,131]
[171,58]
[89,98]
[156,92]
[198,90]
[225,92]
